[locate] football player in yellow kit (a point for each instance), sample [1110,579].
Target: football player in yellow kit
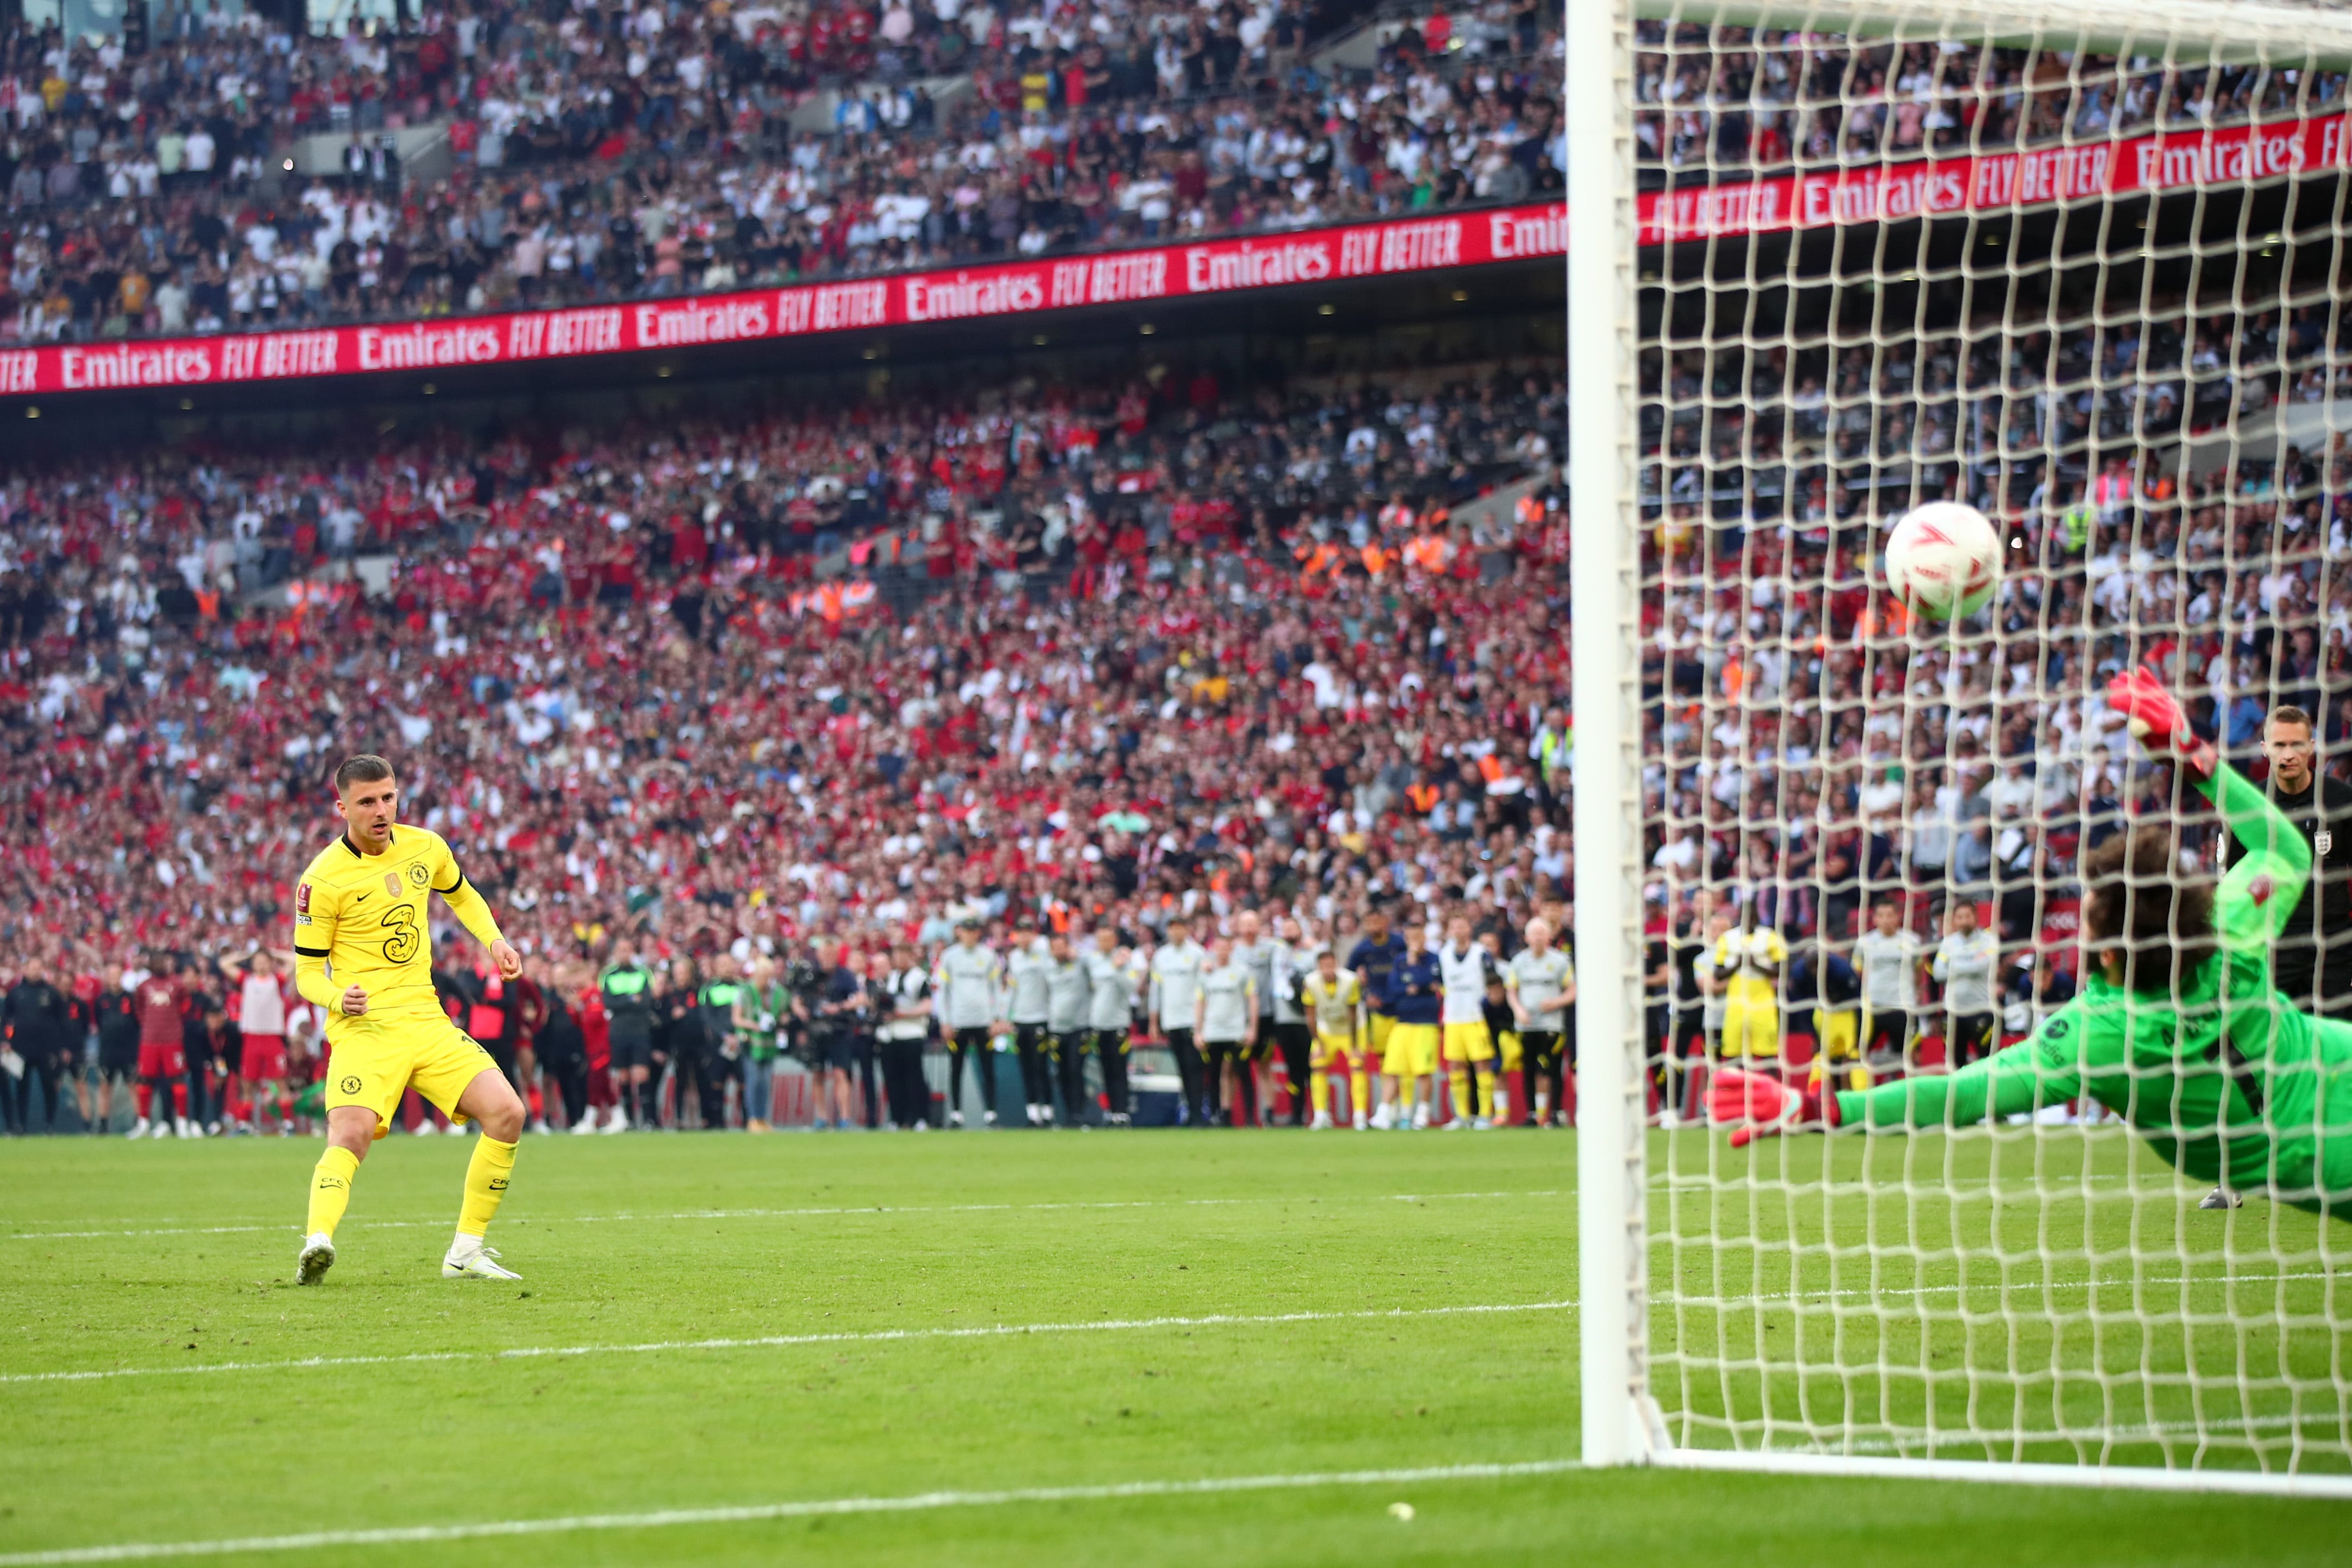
[363,958]
[1331,998]
[1751,957]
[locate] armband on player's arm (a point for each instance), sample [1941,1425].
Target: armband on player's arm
[472,910]
[314,938]
[311,980]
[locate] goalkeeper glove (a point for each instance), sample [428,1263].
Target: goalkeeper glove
[2158,720]
[1762,1106]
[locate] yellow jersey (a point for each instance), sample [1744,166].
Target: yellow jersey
[1744,956]
[360,918]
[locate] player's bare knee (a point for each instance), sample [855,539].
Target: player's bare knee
[503,1123]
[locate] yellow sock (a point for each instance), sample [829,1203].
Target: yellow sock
[1360,1093]
[1487,1094]
[1859,1078]
[1318,1090]
[1458,1079]
[331,1189]
[485,1184]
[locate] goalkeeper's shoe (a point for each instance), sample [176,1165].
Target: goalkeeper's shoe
[475,1262]
[1760,1106]
[2221,1197]
[318,1255]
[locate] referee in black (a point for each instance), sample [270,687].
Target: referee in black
[2311,964]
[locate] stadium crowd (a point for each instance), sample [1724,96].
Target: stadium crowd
[612,152]
[1112,654]
[601,151]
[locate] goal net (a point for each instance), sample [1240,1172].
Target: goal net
[1829,262]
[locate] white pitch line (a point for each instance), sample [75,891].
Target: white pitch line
[406,1535]
[291,1230]
[772,1341]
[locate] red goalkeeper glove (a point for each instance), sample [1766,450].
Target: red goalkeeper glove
[2158,720]
[1761,1106]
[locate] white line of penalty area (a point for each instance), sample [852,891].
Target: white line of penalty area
[1101,1325]
[773,1341]
[423,1534]
[289,1228]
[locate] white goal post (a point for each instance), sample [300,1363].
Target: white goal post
[2085,265]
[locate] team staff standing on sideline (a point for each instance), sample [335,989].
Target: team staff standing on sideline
[1965,961]
[1225,1023]
[1025,969]
[361,958]
[969,982]
[1282,1013]
[1066,1007]
[1110,1014]
[1172,1009]
[1541,982]
[1890,958]
[906,1024]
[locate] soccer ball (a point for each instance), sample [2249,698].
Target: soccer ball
[1943,560]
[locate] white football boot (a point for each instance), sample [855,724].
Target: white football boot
[469,1259]
[318,1255]
[1322,1122]
[139,1129]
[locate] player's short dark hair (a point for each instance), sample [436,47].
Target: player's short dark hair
[2139,901]
[2287,713]
[367,768]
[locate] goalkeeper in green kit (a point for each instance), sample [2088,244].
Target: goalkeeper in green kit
[2178,1027]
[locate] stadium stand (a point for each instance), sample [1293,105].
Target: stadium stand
[619,153]
[622,154]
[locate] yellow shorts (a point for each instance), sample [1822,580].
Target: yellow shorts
[1839,1034]
[1377,1050]
[1512,1057]
[1469,1042]
[1752,1025]
[373,1067]
[1335,1053]
[1412,1051]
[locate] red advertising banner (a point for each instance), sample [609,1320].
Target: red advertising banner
[1869,195]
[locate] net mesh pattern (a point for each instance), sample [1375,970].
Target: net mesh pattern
[2098,293]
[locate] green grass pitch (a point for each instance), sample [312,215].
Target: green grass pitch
[871,1253]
